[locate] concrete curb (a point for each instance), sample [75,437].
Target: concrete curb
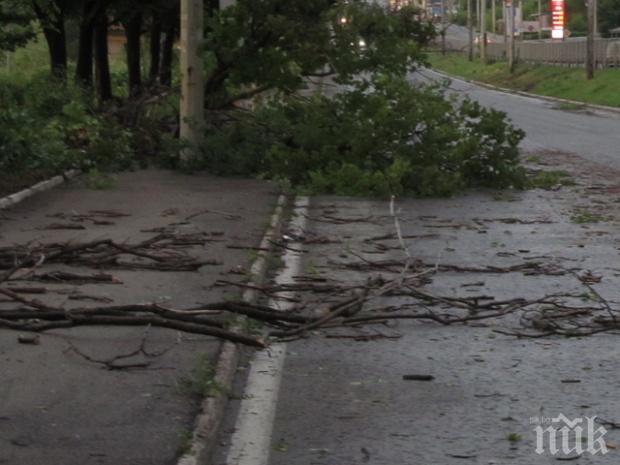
[43,186]
[587,106]
[207,423]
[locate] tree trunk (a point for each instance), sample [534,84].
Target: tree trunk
[212,6]
[102,62]
[165,73]
[156,30]
[55,36]
[84,71]
[133,32]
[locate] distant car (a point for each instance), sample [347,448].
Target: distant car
[477,40]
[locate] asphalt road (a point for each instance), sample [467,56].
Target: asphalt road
[462,33]
[339,401]
[592,135]
[59,408]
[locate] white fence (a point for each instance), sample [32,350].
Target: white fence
[567,53]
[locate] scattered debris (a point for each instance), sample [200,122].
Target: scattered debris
[29,339]
[161,252]
[418,377]
[226,215]
[61,226]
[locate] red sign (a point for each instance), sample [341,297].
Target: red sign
[558,19]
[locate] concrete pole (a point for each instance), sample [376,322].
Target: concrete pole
[595,18]
[590,41]
[470,29]
[539,19]
[443,27]
[192,78]
[504,19]
[510,22]
[483,31]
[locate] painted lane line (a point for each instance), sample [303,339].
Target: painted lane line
[251,441]
[213,409]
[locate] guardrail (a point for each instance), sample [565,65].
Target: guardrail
[567,53]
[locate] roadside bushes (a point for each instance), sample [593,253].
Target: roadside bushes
[26,145]
[382,137]
[47,126]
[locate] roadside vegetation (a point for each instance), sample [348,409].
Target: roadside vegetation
[551,81]
[67,104]
[377,135]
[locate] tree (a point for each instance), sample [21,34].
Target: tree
[256,47]
[376,135]
[15,24]
[609,15]
[51,15]
[102,62]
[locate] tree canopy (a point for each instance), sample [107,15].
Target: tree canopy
[328,83]
[609,15]
[16,27]
[372,132]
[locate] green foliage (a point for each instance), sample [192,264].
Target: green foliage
[584,216]
[377,136]
[69,132]
[22,149]
[609,14]
[393,139]
[186,438]
[554,81]
[550,179]
[201,382]
[98,180]
[16,27]
[276,44]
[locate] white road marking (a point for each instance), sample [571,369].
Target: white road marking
[251,441]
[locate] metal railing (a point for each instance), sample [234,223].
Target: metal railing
[567,53]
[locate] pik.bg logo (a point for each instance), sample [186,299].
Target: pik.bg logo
[560,435]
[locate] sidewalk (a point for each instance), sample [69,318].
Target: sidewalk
[57,407]
[343,398]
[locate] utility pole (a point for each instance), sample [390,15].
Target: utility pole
[595,18]
[443,27]
[510,30]
[539,19]
[590,40]
[504,19]
[478,15]
[470,28]
[483,31]
[493,16]
[192,85]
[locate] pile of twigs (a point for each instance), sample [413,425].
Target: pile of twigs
[319,304]
[569,315]
[550,315]
[163,252]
